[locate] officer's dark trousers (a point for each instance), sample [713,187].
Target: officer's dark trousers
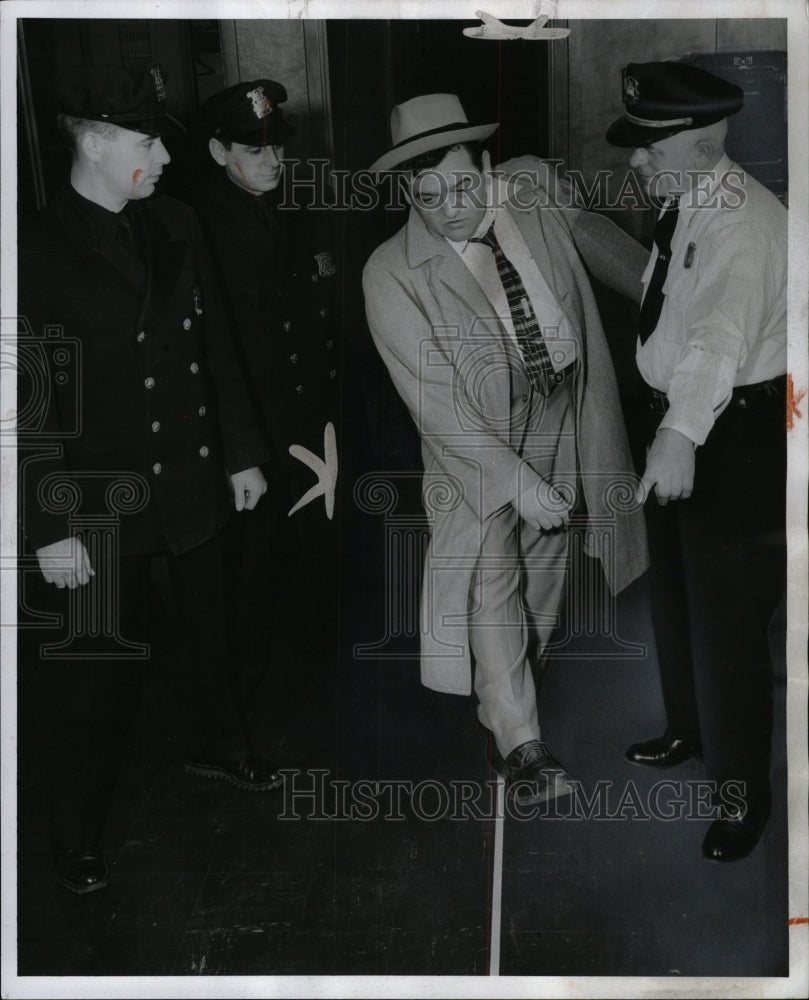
[717,575]
[93,701]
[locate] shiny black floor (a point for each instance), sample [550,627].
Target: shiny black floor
[209,880]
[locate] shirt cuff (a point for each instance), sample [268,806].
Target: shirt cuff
[694,431]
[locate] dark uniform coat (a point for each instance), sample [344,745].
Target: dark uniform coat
[280,282]
[153,389]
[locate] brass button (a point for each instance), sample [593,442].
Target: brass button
[204,451]
[293,358]
[286,326]
[333,373]
[155,426]
[299,389]
[314,278]
[149,382]
[194,367]
[324,312]
[186,324]
[203,410]
[141,336]
[329,344]
[157,468]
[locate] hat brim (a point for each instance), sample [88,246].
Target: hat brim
[162,125]
[437,140]
[273,136]
[626,133]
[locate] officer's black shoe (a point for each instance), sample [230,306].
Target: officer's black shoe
[531,771]
[730,839]
[255,774]
[82,871]
[666,751]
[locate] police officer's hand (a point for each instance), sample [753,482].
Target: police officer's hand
[543,507]
[249,487]
[65,563]
[669,467]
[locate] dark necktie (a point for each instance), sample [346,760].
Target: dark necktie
[526,326]
[653,300]
[126,232]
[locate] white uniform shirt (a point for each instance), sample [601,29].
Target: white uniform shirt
[479,258]
[723,321]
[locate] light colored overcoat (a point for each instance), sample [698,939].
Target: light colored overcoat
[454,366]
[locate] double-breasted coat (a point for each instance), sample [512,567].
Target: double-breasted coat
[278,274]
[455,369]
[138,376]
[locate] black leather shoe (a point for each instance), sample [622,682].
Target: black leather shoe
[82,871]
[666,751]
[531,771]
[255,774]
[734,838]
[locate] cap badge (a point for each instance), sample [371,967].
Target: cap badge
[159,86]
[325,264]
[631,90]
[262,106]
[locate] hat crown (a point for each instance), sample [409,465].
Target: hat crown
[133,99]
[247,111]
[663,98]
[428,113]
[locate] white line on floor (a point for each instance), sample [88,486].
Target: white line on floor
[497,880]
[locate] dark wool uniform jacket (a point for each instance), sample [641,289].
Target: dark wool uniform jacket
[280,285]
[138,406]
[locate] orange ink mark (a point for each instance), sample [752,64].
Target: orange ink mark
[136,176]
[793,398]
[797,920]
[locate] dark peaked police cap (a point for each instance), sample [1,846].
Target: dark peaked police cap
[248,113]
[664,98]
[132,99]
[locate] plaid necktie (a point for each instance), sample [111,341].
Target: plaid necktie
[526,326]
[653,300]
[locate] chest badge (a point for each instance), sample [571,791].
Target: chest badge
[197,300]
[325,264]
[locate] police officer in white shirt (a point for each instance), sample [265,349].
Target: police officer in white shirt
[712,345]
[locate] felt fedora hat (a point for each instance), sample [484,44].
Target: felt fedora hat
[425,123]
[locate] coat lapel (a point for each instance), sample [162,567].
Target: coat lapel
[165,257]
[93,252]
[539,229]
[460,301]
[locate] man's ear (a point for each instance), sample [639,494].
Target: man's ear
[91,146]
[704,151]
[217,151]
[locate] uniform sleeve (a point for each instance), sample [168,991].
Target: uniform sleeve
[37,396]
[725,313]
[426,376]
[614,257]
[242,437]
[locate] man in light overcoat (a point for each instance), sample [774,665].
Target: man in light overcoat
[482,311]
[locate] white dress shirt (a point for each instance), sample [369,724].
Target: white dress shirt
[723,321]
[479,258]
